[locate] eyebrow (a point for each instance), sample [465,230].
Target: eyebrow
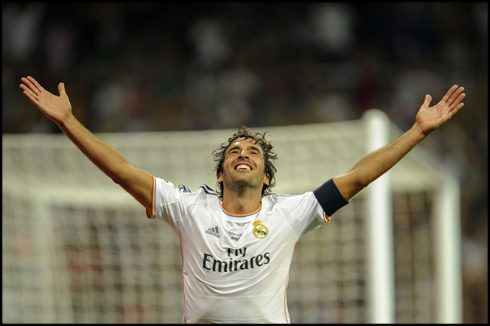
[237,147]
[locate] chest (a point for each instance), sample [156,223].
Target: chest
[220,234]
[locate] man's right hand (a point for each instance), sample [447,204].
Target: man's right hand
[56,108]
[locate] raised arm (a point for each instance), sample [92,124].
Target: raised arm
[58,109]
[378,162]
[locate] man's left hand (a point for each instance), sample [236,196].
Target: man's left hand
[429,118]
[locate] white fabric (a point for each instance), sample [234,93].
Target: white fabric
[229,274]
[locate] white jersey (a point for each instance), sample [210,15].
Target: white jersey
[236,267]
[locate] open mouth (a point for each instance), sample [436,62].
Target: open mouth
[243,167]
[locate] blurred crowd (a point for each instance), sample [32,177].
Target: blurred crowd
[136,67]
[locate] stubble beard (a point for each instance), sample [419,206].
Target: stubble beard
[241,185]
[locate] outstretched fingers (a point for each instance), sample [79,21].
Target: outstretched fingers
[456,98]
[32,89]
[27,90]
[449,93]
[455,110]
[30,95]
[35,83]
[456,105]
[30,86]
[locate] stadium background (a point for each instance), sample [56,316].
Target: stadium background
[159,67]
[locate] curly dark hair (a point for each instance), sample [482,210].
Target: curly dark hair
[259,139]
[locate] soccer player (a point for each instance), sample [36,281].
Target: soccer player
[237,242]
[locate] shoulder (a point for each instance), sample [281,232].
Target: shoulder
[204,191]
[168,189]
[288,200]
[277,197]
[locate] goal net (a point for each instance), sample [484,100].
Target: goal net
[78,249]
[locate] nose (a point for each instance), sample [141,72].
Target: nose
[244,154]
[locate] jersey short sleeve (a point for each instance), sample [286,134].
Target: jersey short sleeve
[166,202]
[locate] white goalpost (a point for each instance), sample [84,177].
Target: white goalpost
[380,262]
[446,231]
[77,248]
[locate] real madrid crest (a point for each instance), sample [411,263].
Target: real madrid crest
[260,230]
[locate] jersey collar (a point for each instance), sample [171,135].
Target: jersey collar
[241,215]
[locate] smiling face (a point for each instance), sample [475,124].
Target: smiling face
[244,165]
[238,140]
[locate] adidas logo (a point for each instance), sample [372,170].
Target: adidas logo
[213,231]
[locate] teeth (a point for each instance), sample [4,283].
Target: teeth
[243,166]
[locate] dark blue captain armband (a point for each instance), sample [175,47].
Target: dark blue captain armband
[329,197]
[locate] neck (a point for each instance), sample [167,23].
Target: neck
[241,202]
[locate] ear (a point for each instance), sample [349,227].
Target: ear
[220,177]
[267,179]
